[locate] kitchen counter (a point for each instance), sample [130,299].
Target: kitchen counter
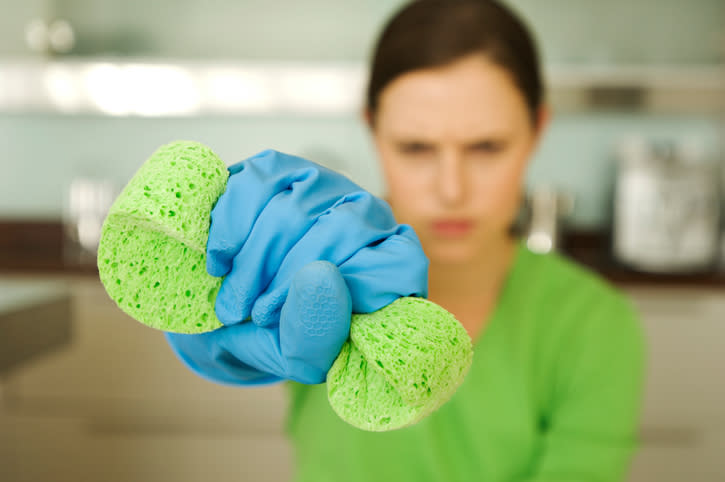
[113,403]
[593,250]
[38,248]
[116,402]
[20,294]
[35,318]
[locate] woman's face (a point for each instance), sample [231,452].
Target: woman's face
[454,143]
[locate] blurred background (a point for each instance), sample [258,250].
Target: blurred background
[628,181]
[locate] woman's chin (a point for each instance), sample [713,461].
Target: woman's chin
[470,250]
[452,253]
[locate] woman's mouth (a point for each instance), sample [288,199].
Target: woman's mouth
[452,228]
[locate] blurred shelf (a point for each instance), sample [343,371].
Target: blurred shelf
[593,250]
[38,248]
[672,76]
[678,89]
[179,88]
[168,87]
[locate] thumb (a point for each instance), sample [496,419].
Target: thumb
[314,321]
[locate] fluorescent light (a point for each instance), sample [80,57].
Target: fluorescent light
[321,90]
[160,90]
[139,89]
[105,89]
[246,90]
[185,88]
[61,84]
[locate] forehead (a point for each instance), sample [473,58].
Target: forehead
[471,97]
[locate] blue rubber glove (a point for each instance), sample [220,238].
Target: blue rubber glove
[301,247]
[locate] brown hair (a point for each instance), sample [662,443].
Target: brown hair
[433,33]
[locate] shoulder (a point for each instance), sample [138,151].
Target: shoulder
[584,329]
[555,277]
[574,302]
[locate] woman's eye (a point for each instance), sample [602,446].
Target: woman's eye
[416,148]
[487,147]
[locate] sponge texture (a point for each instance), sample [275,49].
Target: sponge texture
[152,253]
[401,363]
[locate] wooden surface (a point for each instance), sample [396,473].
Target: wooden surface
[40,247]
[35,319]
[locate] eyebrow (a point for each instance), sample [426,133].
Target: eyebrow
[423,139]
[488,140]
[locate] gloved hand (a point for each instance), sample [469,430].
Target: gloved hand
[301,248]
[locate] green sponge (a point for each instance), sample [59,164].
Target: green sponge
[401,363]
[152,252]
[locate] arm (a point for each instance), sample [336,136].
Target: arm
[590,430]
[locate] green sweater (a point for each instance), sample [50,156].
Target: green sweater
[553,395]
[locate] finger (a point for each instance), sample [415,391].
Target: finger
[239,166]
[358,220]
[280,225]
[378,274]
[253,184]
[241,354]
[314,322]
[234,213]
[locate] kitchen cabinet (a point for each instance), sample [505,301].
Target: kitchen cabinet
[34,319]
[615,55]
[289,29]
[614,31]
[13,21]
[117,406]
[621,31]
[683,426]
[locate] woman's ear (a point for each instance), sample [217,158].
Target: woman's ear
[367,117]
[543,117]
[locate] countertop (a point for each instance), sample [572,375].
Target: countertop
[35,318]
[593,250]
[16,295]
[40,247]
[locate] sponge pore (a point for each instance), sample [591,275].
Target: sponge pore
[152,252]
[401,363]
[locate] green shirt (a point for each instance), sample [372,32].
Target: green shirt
[553,395]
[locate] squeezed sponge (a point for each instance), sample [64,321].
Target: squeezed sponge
[152,252]
[401,363]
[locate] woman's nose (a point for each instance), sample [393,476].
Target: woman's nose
[451,179]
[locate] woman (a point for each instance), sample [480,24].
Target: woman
[455,108]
